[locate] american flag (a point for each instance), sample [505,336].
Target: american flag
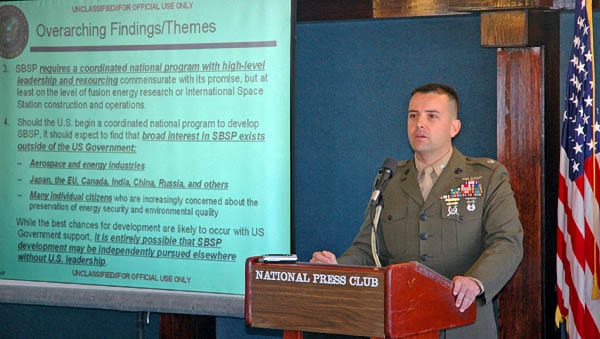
[578,238]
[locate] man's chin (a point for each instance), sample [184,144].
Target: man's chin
[419,147]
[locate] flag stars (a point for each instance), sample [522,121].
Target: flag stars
[580,21]
[579,102]
[575,100]
[575,167]
[576,42]
[586,30]
[575,81]
[592,145]
[586,118]
[581,67]
[578,148]
[588,56]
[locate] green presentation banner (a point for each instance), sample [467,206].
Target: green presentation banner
[144,144]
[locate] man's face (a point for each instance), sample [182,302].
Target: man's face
[432,124]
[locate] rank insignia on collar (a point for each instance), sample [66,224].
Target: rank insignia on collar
[470,190]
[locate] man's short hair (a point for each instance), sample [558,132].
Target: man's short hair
[439,89]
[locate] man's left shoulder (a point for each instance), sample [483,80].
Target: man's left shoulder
[482,163]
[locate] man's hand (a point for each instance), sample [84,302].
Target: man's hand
[323,257]
[465,290]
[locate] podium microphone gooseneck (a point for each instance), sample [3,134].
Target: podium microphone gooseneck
[385,174]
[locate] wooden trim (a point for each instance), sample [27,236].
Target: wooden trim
[504,28]
[486,5]
[519,119]
[314,10]
[410,8]
[528,92]
[518,28]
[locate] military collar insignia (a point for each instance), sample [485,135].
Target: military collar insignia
[469,190]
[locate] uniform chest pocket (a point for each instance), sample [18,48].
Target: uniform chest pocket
[461,229]
[393,230]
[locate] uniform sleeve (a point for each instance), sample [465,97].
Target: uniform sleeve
[503,236]
[359,253]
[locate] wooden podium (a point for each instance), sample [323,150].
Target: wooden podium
[406,300]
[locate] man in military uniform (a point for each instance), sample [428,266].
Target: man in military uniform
[453,213]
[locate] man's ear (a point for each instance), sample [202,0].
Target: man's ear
[455,128]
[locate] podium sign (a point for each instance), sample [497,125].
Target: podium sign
[315,298]
[396,301]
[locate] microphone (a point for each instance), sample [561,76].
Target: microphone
[385,174]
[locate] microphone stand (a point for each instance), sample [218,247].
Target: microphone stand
[376,214]
[385,174]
